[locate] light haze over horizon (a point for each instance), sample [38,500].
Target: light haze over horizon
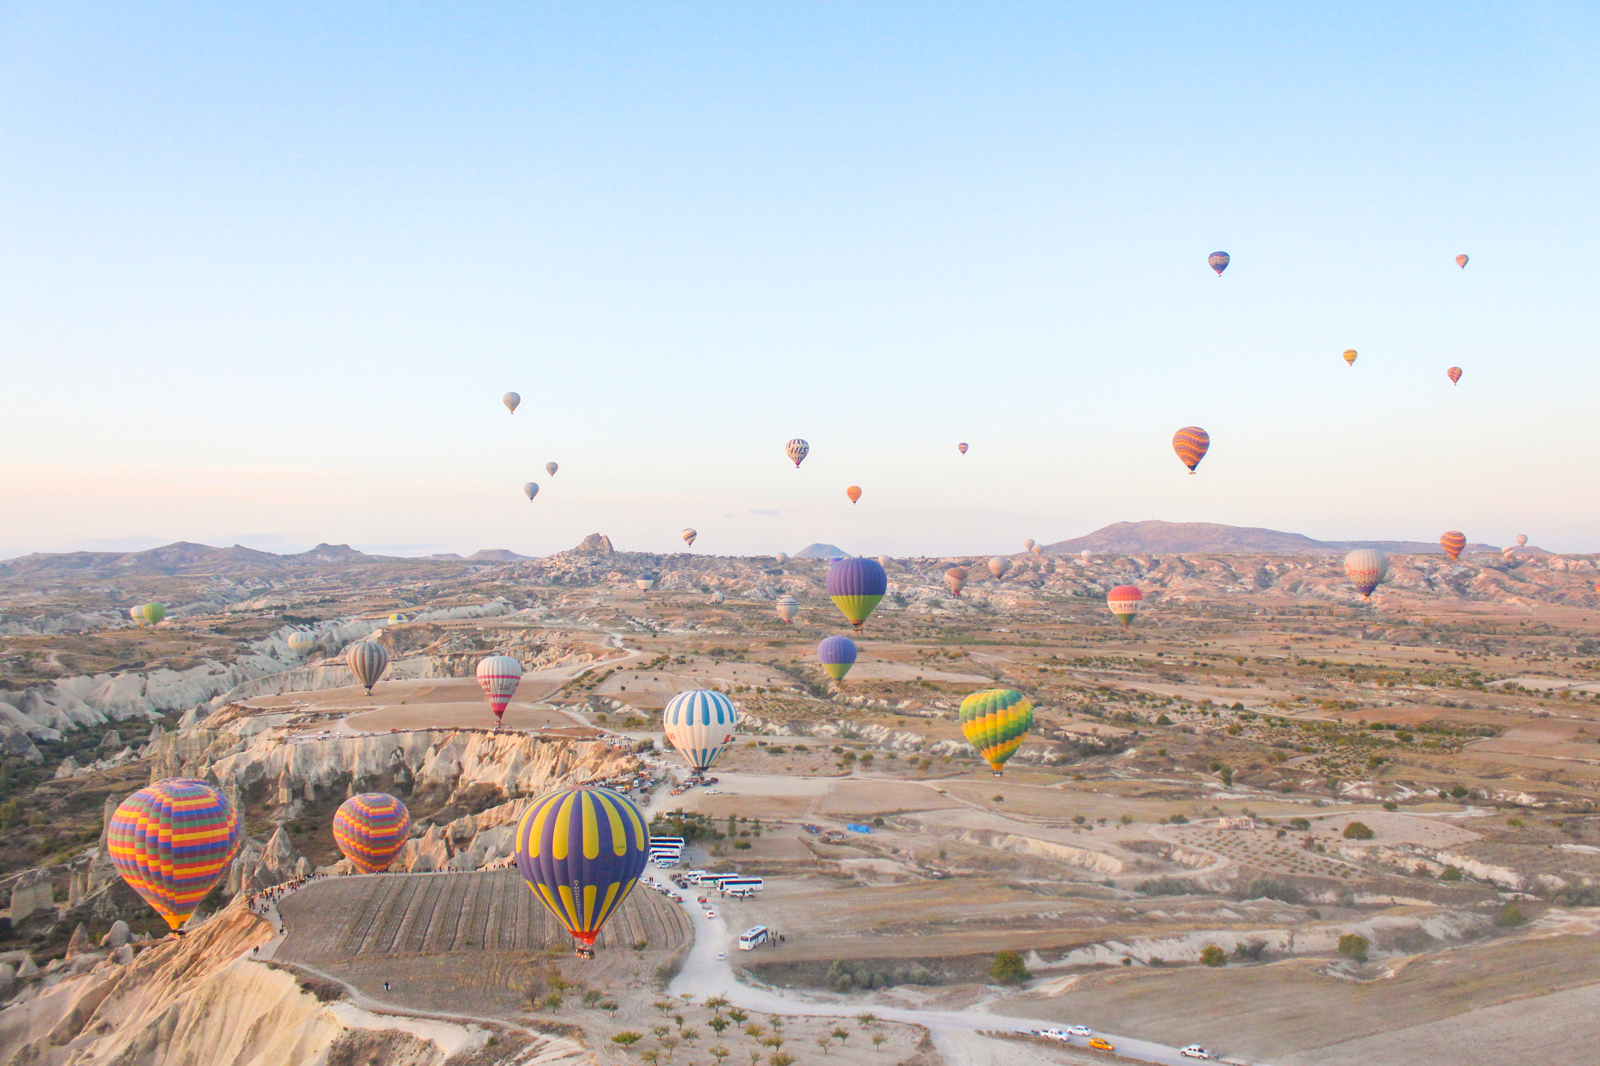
[272,267]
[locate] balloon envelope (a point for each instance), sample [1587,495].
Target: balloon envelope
[1191,443]
[856,586]
[797,450]
[837,655]
[854,492]
[787,607]
[300,642]
[995,722]
[999,565]
[1461,260]
[172,842]
[551,468]
[645,582]
[1366,568]
[1125,601]
[781,558]
[148,614]
[581,851]
[962,447]
[956,579]
[1453,542]
[1522,540]
[530,490]
[1218,261]
[1350,356]
[498,676]
[367,661]
[688,537]
[512,401]
[1027,543]
[370,830]
[1454,374]
[700,724]
[717,597]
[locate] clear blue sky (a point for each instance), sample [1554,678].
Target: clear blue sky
[269,268]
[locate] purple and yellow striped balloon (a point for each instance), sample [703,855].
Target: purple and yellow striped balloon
[172,842]
[582,851]
[371,829]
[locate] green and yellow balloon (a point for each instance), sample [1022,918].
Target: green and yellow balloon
[996,722]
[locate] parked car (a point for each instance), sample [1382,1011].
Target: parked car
[1195,1051]
[1101,1044]
[1081,1030]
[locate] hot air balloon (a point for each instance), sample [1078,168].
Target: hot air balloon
[956,579]
[396,618]
[1461,260]
[498,676]
[1454,374]
[172,842]
[854,492]
[962,447]
[1522,540]
[1453,542]
[1085,555]
[688,537]
[837,655]
[787,607]
[367,661]
[512,401]
[798,450]
[148,614]
[1366,567]
[1125,601]
[995,722]
[1191,443]
[370,830]
[531,490]
[781,558]
[1350,356]
[718,597]
[700,724]
[999,565]
[1218,261]
[1027,542]
[581,851]
[1507,552]
[300,642]
[883,561]
[856,586]
[645,582]
[551,468]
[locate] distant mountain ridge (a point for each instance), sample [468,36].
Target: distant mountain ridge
[190,559]
[1153,536]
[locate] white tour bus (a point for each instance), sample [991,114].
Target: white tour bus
[739,884]
[754,938]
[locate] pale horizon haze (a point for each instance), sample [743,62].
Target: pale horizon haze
[271,267]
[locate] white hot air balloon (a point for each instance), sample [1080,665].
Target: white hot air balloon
[531,490]
[1522,540]
[781,558]
[797,450]
[1085,555]
[498,676]
[512,401]
[788,607]
[688,537]
[1028,543]
[551,468]
[883,561]
[645,582]
[999,565]
[1366,569]
[700,724]
[301,642]
[368,662]
[718,597]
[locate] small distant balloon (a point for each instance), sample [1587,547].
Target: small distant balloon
[837,655]
[367,661]
[1507,552]
[1085,555]
[1350,356]
[854,492]
[645,582]
[1124,602]
[1191,443]
[688,537]
[396,618]
[999,565]
[781,558]
[717,597]
[787,607]
[1522,540]
[512,401]
[148,614]
[883,561]
[1027,542]
[1366,569]
[1218,261]
[551,468]
[1453,543]
[996,722]
[301,642]
[955,579]
[962,447]
[1454,374]
[797,450]
[1461,260]
[531,490]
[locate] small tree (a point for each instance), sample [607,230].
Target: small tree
[651,1054]
[841,1034]
[1357,831]
[1214,956]
[878,1040]
[1511,917]
[1354,945]
[718,1052]
[780,1059]
[739,1017]
[824,1043]
[864,1020]
[1009,969]
[662,1006]
[719,1024]
[716,1004]
[627,1038]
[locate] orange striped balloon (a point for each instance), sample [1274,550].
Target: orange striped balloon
[370,830]
[1452,543]
[1191,443]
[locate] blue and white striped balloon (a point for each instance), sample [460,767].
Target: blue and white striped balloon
[700,724]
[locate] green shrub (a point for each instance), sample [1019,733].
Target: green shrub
[1354,945]
[1213,956]
[1511,917]
[1357,831]
[1009,969]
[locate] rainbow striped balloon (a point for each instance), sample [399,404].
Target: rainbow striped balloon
[581,851]
[172,842]
[1191,443]
[996,722]
[371,829]
[700,723]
